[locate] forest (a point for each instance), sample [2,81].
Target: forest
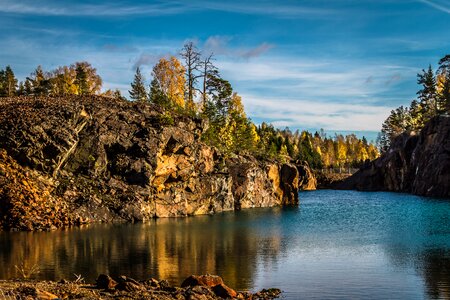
[433,99]
[191,84]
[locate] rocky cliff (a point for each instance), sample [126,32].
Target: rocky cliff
[415,163]
[93,159]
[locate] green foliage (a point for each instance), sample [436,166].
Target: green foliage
[166,119]
[433,100]
[81,80]
[8,82]
[138,92]
[157,97]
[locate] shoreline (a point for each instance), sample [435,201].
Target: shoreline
[122,287]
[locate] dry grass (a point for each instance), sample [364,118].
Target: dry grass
[26,272]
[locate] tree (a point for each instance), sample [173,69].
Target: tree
[40,83]
[168,84]
[63,81]
[427,95]
[28,87]
[220,92]
[398,122]
[138,92]
[444,76]
[209,71]
[8,82]
[81,80]
[87,81]
[192,62]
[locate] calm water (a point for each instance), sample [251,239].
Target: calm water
[336,245]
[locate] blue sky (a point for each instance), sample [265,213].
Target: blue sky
[337,65]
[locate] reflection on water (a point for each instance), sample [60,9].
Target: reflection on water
[167,248]
[338,244]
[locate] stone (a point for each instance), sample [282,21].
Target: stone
[44,295]
[202,280]
[105,282]
[224,291]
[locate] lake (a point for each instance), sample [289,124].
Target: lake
[335,245]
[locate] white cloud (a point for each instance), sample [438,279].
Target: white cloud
[298,113]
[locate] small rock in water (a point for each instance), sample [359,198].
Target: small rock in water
[223,291]
[205,280]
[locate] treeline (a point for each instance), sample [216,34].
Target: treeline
[433,99]
[79,78]
[193,85]
[319,150]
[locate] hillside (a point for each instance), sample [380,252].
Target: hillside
[73,160]
[414,163]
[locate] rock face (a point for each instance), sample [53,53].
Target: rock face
[418,164]
[96,159]
[308,180]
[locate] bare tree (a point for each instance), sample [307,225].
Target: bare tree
[193,64]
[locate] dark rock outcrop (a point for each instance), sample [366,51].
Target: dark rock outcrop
[96,159]
[307,179]
[418,164]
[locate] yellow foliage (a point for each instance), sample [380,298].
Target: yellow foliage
[236,107]
[171,81]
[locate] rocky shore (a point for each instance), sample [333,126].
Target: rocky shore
[417,163]
[203,287]
[75,160]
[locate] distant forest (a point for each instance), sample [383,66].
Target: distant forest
[191,84]
[433,99]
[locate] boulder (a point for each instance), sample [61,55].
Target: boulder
[212,281]
[202,280]
[105,282]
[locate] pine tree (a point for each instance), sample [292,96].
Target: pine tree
[444,72]
[157,96]
[10,84]
[81,80]
[138,92]
[21,89]
[427,95]
[28,87]
[40,84]
[2,83]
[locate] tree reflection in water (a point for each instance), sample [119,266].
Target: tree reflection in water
[169,249]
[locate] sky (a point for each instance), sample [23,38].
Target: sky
[340,65]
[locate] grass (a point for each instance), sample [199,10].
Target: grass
[26,272]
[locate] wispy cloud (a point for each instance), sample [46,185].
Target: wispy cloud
[267,8]
[220,45]
[173,7]
[97,10]
[301,113]
[444,7]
